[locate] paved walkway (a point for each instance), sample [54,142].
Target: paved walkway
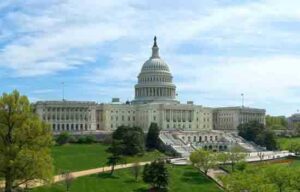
[58,178]
[215,174]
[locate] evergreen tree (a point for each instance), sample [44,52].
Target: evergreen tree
[132,139]
[256,132]
[152,141]
[25,143]
[156,174]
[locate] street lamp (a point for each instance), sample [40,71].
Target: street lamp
[63,90]
[242,94]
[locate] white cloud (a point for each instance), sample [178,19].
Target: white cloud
[234,48]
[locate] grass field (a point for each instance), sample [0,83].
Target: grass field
[284,142]
[182,178]
[75,157]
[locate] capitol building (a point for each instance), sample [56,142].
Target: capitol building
[155,101]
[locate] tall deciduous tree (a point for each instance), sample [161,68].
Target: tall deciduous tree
[271,178]
[116,150]
[25,143]
[152,141]
[236,155]
[136,169]
[203,159]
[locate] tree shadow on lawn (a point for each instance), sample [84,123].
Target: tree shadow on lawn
[131,181]
[194,177]
[141,189]
[107,176]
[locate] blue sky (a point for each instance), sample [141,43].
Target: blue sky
[216,50]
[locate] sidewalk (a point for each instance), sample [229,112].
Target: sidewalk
[58,178]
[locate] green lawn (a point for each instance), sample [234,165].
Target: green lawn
[75,157]
[296,164]
[284,142]
[182,178]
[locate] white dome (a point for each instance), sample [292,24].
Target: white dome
[155,81]
[155,64]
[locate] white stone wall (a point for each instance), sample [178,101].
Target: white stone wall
[86,116]
[228,118]
[68,116]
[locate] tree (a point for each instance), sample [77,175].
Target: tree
[223,157]
[25,143]
[112,161]
[246,180]
[255,131]
[271,178]
[116,150]
[280,176]
[235,155]
[294,147]
[270,140]
[276,122]
[250,130]
[156,174]
[63,138]
[136,169]
[203,159]
[68,179]
[152,140]
[132,139]
[295,178]
[261,155]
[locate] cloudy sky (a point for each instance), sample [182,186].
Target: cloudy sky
[216,49]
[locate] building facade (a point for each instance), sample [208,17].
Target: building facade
[155,101]
[229,118]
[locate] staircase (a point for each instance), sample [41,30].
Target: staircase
[177,145]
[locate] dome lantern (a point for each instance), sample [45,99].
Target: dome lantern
[155,49]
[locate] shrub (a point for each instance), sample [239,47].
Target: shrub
[63,138]
[81,140]
[90,139]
